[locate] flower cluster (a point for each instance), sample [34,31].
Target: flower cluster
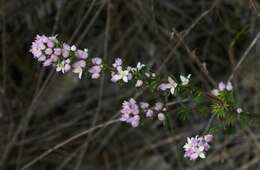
[197,146]
[222,87]
[158,109]
[43,50]
[64,57]
[119,73]
[132,112]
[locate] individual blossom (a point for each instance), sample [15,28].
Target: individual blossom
[185,80]
[82,54]
[78,67]
[124,75]
[229,86]
[170,85]
[149,113]
[65,50]
[118,62]
[73,48]
[208,137]
[196,147]
[144,105]
[147,75]
[96,68]
[161,116]
[239,110]
[215,92]
[138,67]
[130,112]
[64,66]
[139,83]
[158,106]
[221,86]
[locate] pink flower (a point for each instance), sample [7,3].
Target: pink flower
[96,61]
[149,113]
[39,47]
[118,62]
[171,85]
[208,137]
[78,67]
[130,112]
[57,51]
[65,53]
[54,58]
[42,58]
[95,71]
[221,86]
[158,106]
[47,62]
[197,146]
[48,51]
[82,54]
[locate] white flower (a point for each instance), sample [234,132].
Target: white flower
[171,85]
[78,70]
[239,110]
[215,92]
[124,75]
[161,117]
[73,48]
[199,152]
[139,83]
[185,80]
[78,67]
[147,75]
[138,67]
[229,86]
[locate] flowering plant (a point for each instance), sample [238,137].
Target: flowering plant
[68,58]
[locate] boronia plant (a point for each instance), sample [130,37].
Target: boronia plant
[220,102]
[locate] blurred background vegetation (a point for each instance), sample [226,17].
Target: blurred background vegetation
[40,108]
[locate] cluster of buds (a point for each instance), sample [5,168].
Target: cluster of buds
[222,87]
[132,112]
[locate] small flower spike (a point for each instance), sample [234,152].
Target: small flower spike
[51,52]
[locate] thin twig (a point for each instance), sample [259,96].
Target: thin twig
[43,155]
